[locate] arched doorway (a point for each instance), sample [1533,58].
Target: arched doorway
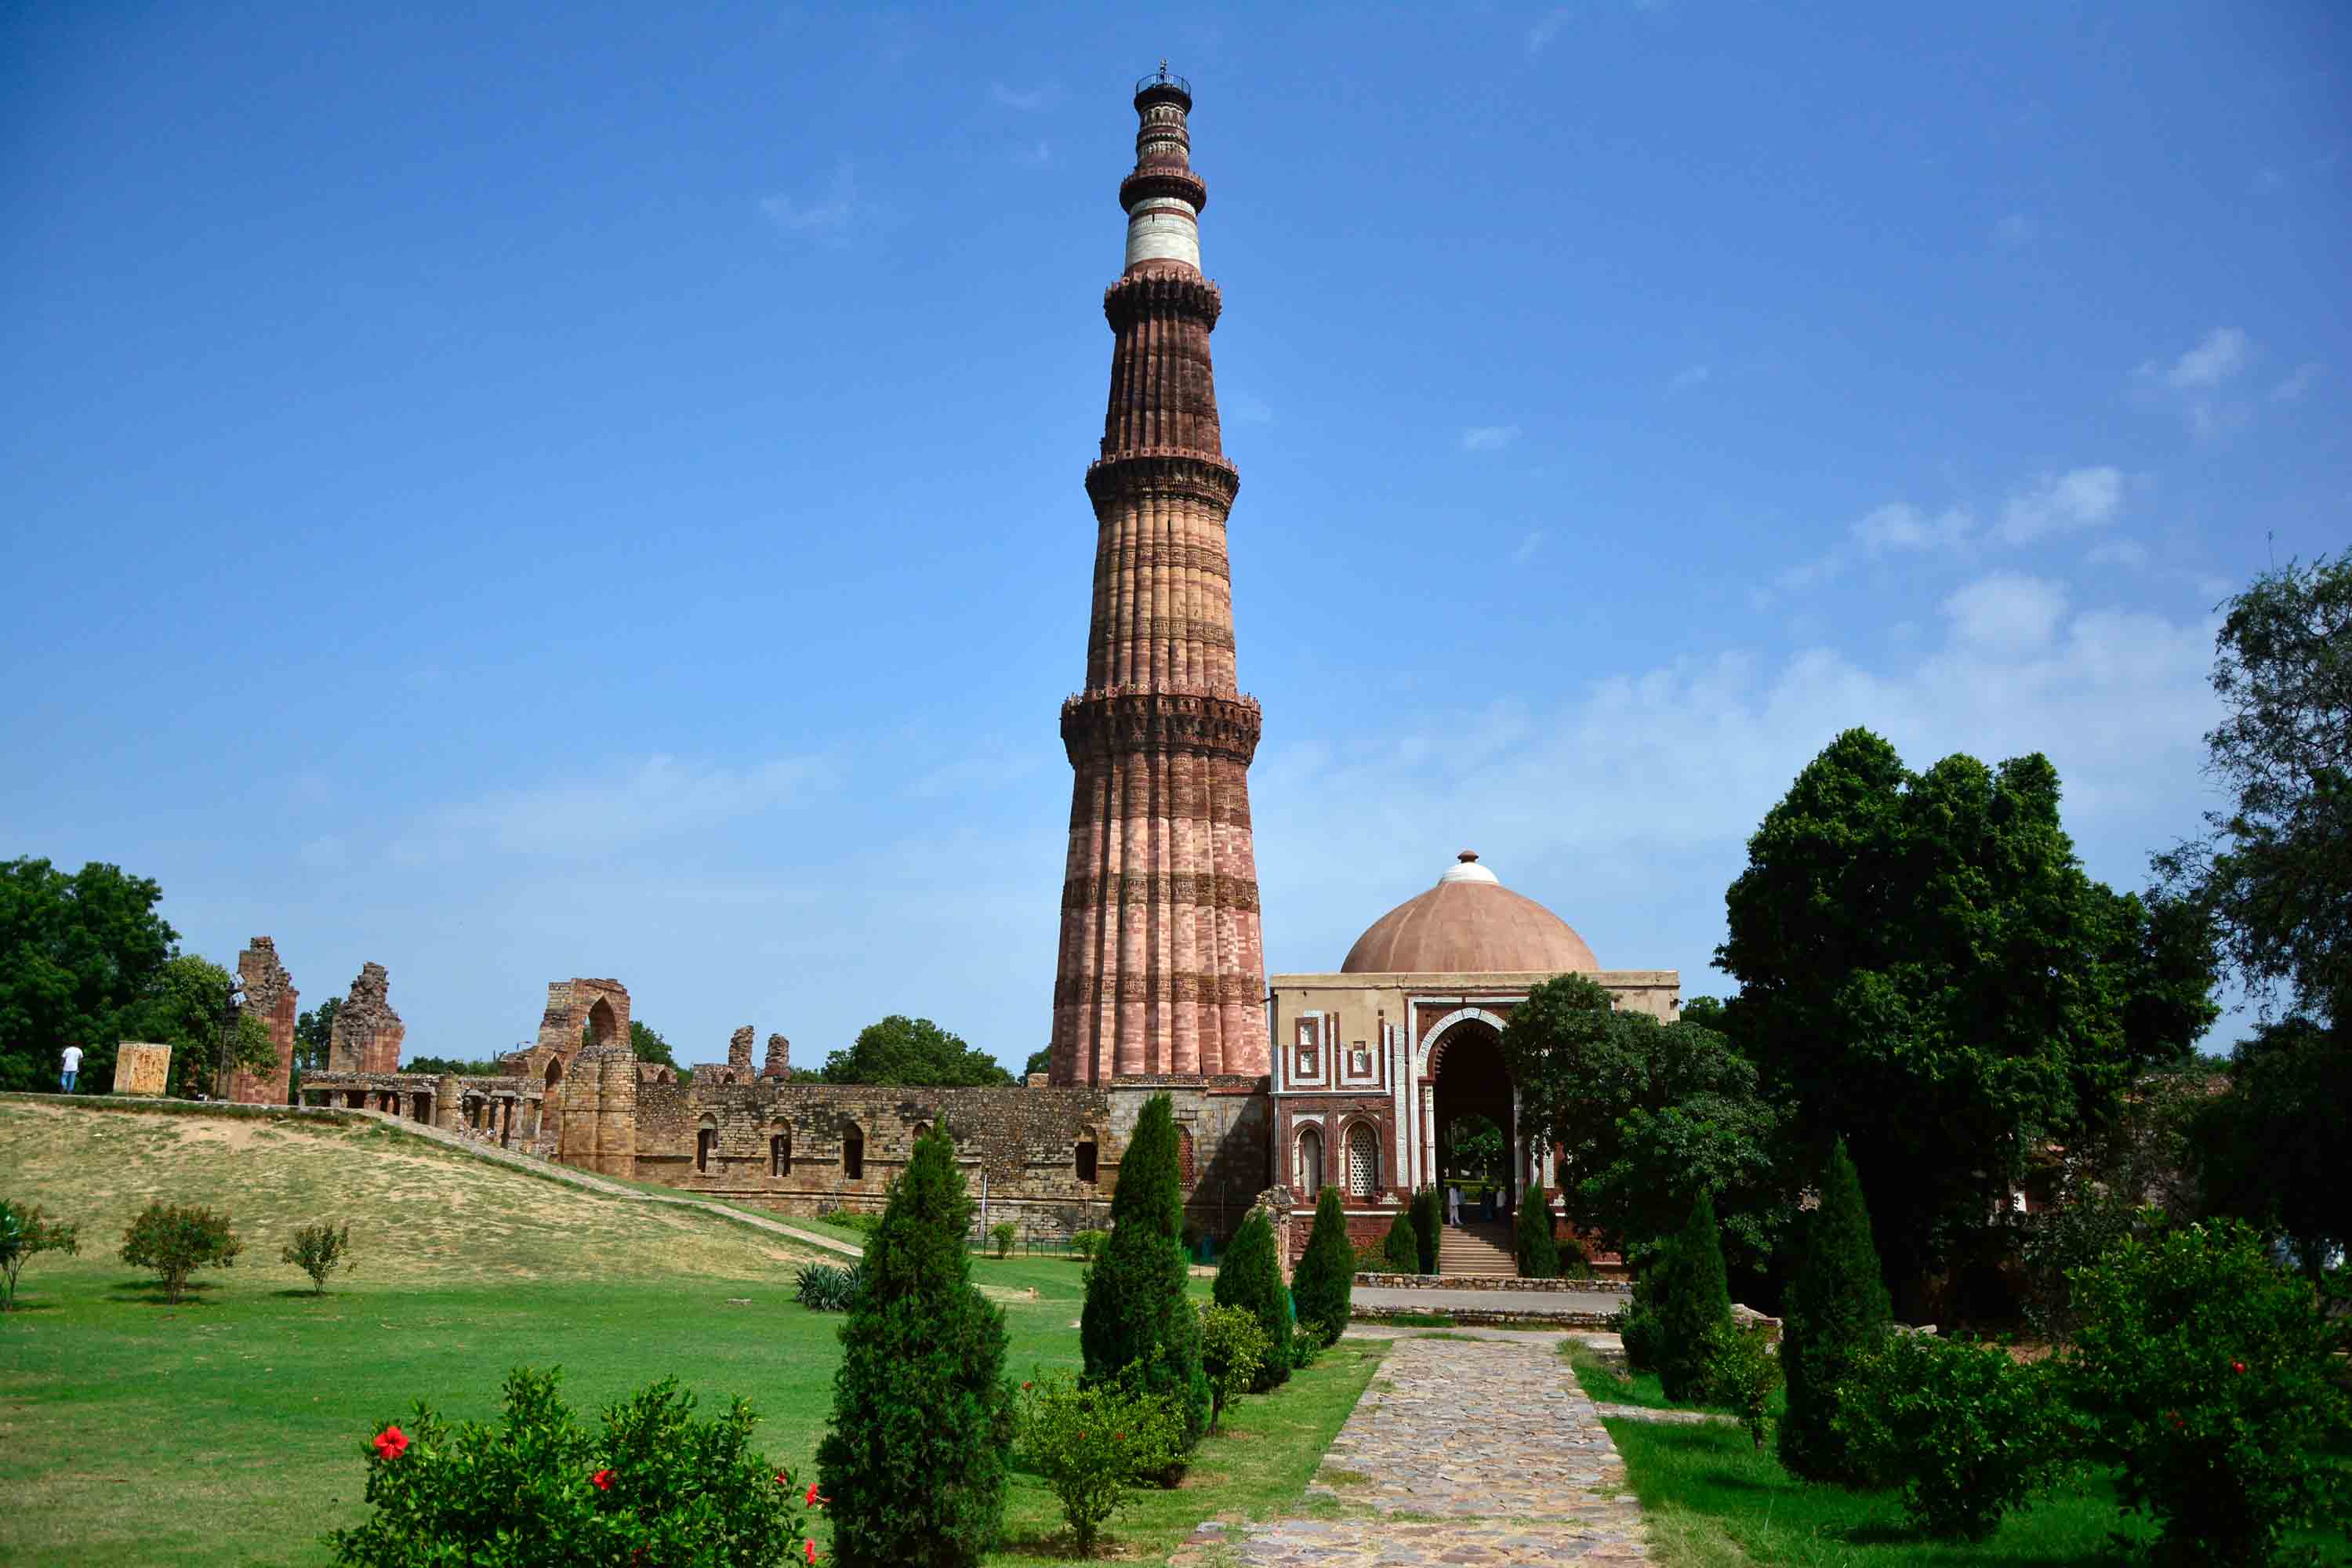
[602,1025]
[1470,1086]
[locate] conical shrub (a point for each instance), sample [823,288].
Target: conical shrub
[1324,1284]
[1428,1224]
[1836,1313]
[1400,1249]
[922,1414]
[1693,1301]
[1539,1254]
[1251,1279]
[1136,1314]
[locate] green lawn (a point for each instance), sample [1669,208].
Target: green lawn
[230,1430]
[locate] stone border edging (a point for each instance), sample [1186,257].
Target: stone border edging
[1494,1282]
[1474,1317]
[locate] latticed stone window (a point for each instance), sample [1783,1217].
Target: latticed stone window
[1363,1160]
[1184,1168]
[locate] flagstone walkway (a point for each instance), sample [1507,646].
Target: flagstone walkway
[1478,1453]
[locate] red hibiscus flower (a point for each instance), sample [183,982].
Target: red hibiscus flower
[391,1443]
[811,1550]
[601,1480]
[809,1500]
[784,1478]
[2238,1366]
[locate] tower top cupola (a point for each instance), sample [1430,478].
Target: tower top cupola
[1163,197]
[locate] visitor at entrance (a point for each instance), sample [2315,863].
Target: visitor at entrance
[1454,1205]
[72,1070]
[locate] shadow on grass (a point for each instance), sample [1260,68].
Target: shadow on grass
[151,1292]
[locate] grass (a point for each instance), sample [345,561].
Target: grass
[1604,1383]
[230,1430]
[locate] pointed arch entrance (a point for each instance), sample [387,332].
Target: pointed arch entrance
[1471,1084]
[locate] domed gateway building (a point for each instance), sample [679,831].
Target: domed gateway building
[1383,1066]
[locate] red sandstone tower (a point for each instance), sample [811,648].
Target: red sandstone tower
[1161,969]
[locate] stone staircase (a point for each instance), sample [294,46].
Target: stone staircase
[1473,1248]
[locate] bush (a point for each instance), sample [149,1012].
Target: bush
[1538,1255]
[865,1222]
[1092,1441]
[1743,1372]
[828,1288]
[1401,1251]
[1636,1321]
[175,1240]
[1428,1225]
[922,1415]
[1966,1432]
[1837,1314]
[1251,1279]
[1234,1350]
[2055,1243]
[2204,1372]
[1001,1236]
[318,1250]
[537,1490]
[1692,1304]
[1575,1262]
[26,1233]
[1087,1243]
[1137,1312]
[1307,1342]
[1324,1284]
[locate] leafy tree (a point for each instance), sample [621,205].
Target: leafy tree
[314,1035]
[645,1043]
[900,1050]
[1967,1434]
[452,1066]
[175,1240]
[1650,1115]
[25,1234]
[1401,1248]
[1250,1278]
[1428,1225]
[1137,1313]
[1743,1372]
[1930,942]
[2272,1151]
[185,1007]
[1473,1146]
[318,1250]
[75,951]
[1537,1252]
[1693,1303]
[2275,870]
[1324,1284]
[923,1413]
[1836,1316]
[1092,1442]
[1040,1060]
[1233,1349]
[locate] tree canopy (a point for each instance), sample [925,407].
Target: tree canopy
[1926,970]
[915,1051]
[1040,1060]
[185,1007]
[1651,1117]
[645,1043]
[314,1035]
[75,951]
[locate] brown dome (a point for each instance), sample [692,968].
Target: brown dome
[1470,924]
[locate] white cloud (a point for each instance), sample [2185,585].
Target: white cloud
[1688,377]
[2220,355]
[2015,231]
[826,219]
[2081,498]
[1022,98]
[1527,546]
[1901,526]
[1488,438]
[2006,612]
[1547,28]
[2296,385]
[2126,553]
[623,806]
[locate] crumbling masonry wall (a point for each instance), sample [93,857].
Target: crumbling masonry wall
[269,995]
[367,1033]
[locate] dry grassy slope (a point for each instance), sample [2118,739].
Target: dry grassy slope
[417,1212]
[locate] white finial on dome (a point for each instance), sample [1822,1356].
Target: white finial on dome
[1468,870]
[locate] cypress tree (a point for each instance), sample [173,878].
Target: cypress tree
[1402,1248]
[1428,1224]
[923,1413]
[1251,1279]
[1538,1253]
[1136,1314]
[1325,1282]
[1692,1300]
[1836,1313]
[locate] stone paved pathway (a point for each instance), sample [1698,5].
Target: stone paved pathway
[1479,1452]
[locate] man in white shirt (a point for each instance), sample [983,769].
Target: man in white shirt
[72,1071]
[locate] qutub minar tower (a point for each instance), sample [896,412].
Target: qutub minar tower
[1162,968]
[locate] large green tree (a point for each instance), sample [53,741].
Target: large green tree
[314,1035]
[913,1051]
[1651,1116]
[645,1043]
[1138,1320]
[75,951]
[1926,970]
[186,1006]
[2272,1151]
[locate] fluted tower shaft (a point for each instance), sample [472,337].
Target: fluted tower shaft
[1161,967]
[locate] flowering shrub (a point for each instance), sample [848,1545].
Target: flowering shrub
[539,1489]
[1232,1350]
[24,1232]
[1966,1432]
[2204,1371]
[175,1240]
[318,1250]
[1091,1442]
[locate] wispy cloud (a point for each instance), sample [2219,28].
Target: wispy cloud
[1488,438]
[826,219]
[1527,546]
[1689,376]
[2296,385]
[2126,553]
[1022,98]
[2062,503]
[2220,355]
[2015,232]
[1547,28]
[2202,381]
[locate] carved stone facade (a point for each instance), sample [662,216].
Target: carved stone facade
[269,995]
[367,1035]
[1161,967]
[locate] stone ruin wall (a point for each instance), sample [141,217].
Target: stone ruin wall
[367,1035]
[269,995]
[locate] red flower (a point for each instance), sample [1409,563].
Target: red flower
[811,1550]
[784,1478]
[601,1480]
[1028,1386]
[809,1500]
[2237,1366]
[391,1443]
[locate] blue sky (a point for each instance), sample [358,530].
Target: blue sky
[513,492]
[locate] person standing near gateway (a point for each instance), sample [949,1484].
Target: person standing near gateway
[1454,1205]
[72,1070]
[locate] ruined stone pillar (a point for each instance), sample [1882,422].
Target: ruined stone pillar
[367,1035]
[780,1059]
[739,1054]
[445,1102]
[269,995]
[617,1116]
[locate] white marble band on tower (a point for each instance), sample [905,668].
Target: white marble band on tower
[1163,228]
